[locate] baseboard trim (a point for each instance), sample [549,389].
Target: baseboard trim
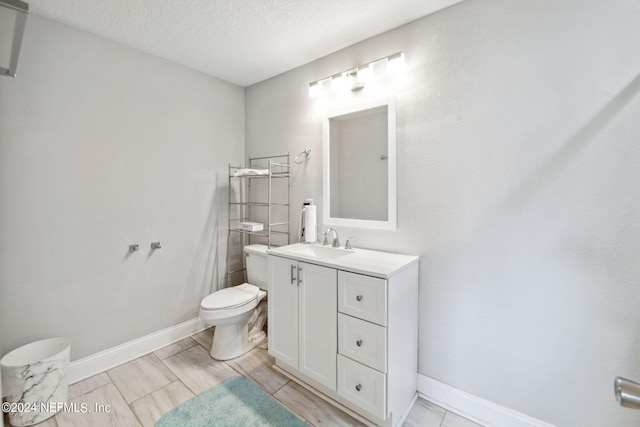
[472,407]
[404,416]
[99,362]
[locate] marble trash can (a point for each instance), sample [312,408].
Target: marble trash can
[34,380]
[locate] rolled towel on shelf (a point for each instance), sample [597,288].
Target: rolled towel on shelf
[246,172]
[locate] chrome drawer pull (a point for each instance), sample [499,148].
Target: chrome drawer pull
[359,343]
[359,387]
[293,267]
[359,298]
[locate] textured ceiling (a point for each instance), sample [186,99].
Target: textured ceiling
[240,41]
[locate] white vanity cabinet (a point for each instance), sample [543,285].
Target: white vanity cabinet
[346,327]
[302,317]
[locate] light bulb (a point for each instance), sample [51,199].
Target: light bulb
[315,89]
[395,63]
[338,82]
[364,74]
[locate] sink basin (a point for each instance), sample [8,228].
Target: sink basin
[323,252]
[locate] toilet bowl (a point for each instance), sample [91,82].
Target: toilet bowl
[239,312]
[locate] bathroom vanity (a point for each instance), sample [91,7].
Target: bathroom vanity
[344,324]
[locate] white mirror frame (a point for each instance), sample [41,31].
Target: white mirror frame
[391,222]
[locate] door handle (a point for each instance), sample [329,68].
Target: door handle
[293,267]
[627,392]
[299,275]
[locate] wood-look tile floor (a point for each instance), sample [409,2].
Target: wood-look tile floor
[141,391]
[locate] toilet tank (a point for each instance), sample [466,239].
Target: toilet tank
[256,262]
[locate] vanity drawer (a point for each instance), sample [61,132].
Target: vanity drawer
[362,386]
[363,296]
[363,342]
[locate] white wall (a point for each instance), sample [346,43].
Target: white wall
[519,179]
[102,146]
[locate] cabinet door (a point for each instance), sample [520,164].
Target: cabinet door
[282,300]
[318,300]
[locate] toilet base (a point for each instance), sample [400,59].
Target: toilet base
[235,339]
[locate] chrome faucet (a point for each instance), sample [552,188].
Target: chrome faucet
[336,242]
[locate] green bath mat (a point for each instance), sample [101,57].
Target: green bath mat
[236,401]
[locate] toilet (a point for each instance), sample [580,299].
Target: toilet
[239,312]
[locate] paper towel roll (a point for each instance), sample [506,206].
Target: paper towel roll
[310,223]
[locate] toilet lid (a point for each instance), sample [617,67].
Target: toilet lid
[230,297]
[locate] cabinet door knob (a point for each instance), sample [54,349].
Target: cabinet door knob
[359,297]
[359,343]
[359,387]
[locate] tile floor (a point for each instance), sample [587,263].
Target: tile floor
[141,391]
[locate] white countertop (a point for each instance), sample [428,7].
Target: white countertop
[356,260]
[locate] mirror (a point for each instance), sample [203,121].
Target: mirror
[359,166]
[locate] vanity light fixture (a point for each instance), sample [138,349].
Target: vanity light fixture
[356,78]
